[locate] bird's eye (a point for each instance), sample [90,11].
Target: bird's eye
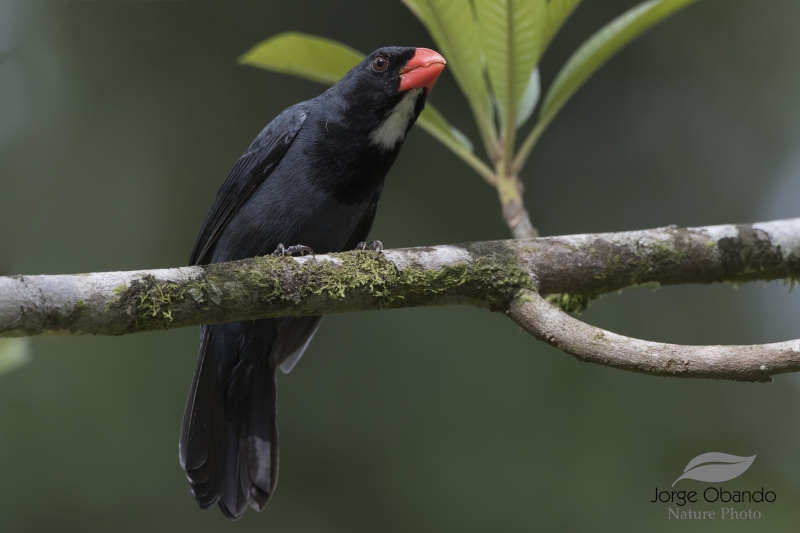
[380,63]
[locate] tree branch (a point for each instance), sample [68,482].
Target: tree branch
[588,343]
[498,275]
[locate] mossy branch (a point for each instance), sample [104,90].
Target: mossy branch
[499,275]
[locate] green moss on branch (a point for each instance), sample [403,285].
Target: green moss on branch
[152,303]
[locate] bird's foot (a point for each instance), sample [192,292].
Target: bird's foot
[375,246]
[283,251]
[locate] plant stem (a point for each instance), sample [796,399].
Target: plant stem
[515,215]
[528,144]
[478,166]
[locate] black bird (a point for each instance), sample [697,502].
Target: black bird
[312,180]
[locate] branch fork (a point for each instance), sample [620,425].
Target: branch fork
[511,276]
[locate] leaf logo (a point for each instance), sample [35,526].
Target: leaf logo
[715,467]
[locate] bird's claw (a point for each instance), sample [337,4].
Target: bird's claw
[375,246]
[283,251]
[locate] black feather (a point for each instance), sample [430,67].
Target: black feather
[253,167]
[311,177]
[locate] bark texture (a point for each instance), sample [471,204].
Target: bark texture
[505,276]
[549,324]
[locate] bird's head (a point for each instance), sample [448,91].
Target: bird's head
[395,69]
[386,91]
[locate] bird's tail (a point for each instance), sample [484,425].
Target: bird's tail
[229,437]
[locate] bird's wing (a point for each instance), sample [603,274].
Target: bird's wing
[255,165]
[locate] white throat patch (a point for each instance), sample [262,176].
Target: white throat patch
[393,128]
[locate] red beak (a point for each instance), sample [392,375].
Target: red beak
[422,70]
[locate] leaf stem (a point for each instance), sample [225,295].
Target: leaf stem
[510,107]
[478,166]
[488,134]
[529,143]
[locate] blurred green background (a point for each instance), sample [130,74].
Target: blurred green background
[119,121]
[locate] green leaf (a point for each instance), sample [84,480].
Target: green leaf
[601,47]
[511,33]
[326,61]
[307,56]
[558,11]
[13,353]
[529,98]
[452,26]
